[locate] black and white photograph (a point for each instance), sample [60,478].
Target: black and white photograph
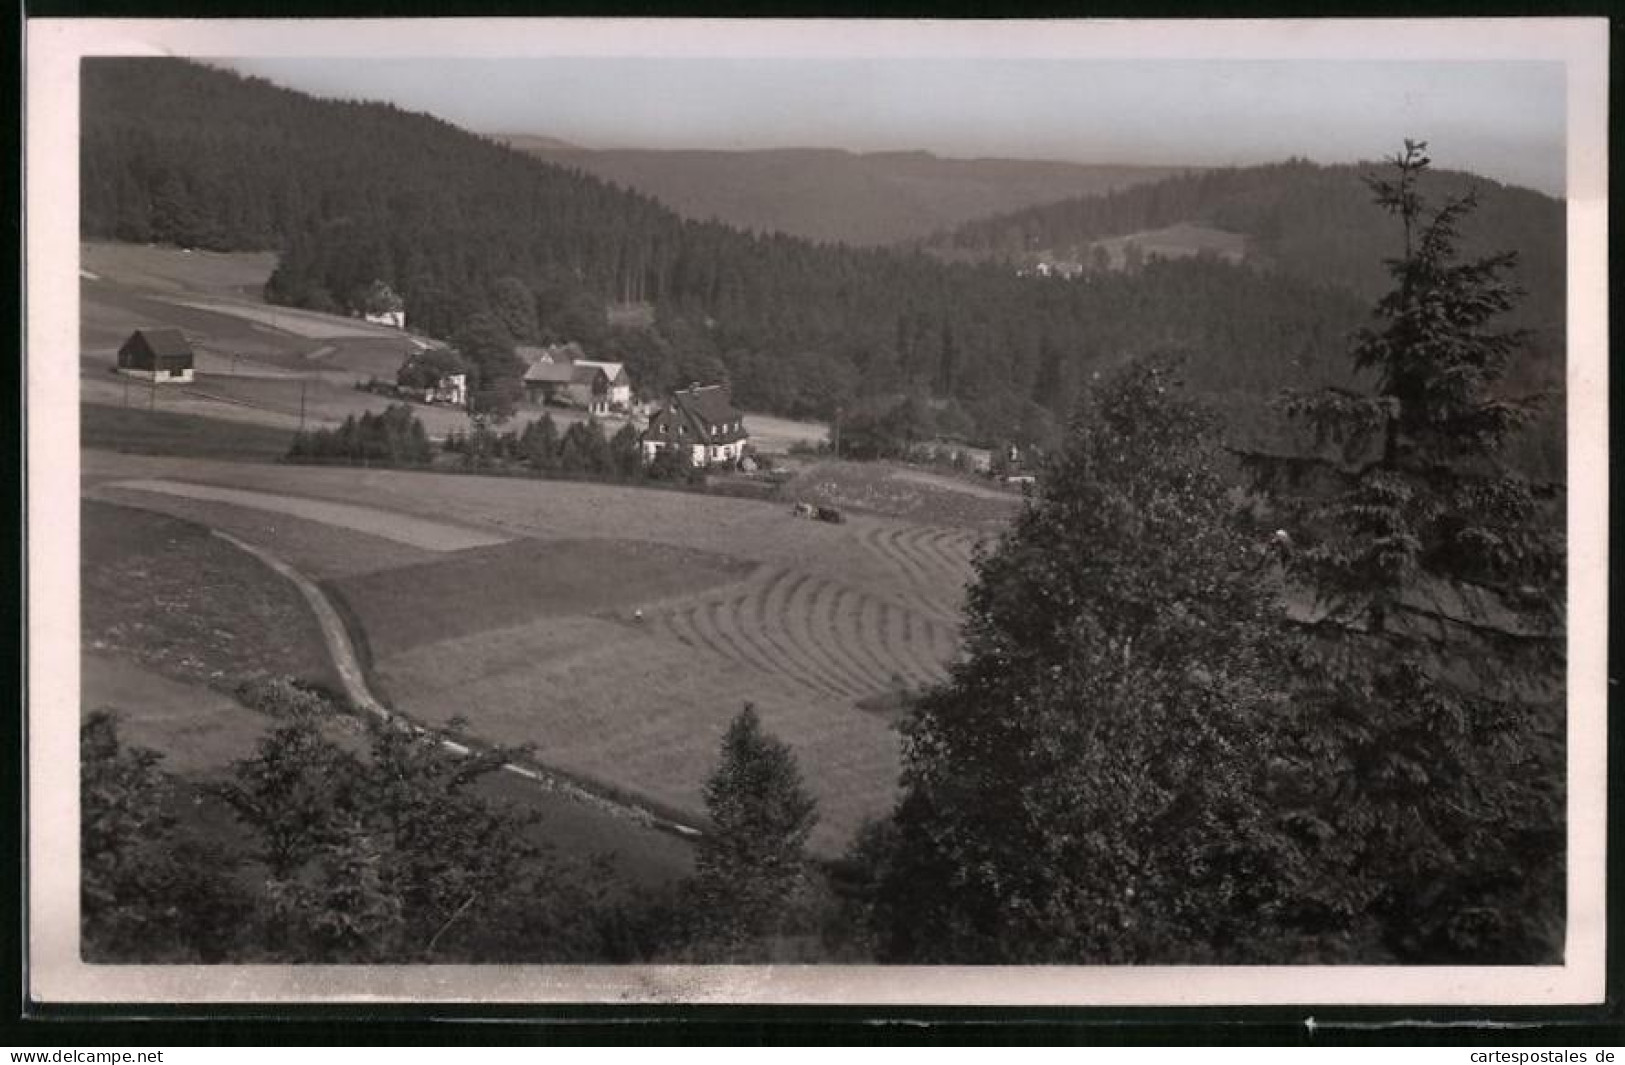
[837,512]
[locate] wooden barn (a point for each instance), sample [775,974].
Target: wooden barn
[158,354]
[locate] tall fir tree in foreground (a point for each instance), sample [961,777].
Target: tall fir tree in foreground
[751,879]
[1093,783]
[1429,586]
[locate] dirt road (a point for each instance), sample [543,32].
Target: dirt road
[354,681]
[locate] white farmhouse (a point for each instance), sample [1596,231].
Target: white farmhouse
[700,423]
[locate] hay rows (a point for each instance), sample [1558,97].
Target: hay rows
[934,564]
[823,635]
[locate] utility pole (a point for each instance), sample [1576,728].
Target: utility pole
[152,389]
[837,441]
[302,383]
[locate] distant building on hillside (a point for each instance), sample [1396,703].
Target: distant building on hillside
[157,354]
[452,389]
[700,423]
[383,306]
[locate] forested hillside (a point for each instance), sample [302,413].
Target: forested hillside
[1309,221]
[862,198]
[489,246]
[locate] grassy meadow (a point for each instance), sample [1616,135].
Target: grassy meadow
[618,629]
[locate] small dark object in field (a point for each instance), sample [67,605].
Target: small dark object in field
[831,515]
[804,510]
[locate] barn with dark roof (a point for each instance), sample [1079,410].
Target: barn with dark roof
[158,354]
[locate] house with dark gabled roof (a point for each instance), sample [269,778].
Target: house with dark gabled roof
[700,423]
[157,354]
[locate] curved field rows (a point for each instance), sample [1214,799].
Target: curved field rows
[826,636]
[933,562]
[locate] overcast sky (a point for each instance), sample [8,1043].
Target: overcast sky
[1501,119]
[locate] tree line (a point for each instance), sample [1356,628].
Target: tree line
[397,438]
[363,841]
[394,438]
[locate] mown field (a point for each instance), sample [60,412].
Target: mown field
[618,629]
[139,431]
[174,617]
[917,494]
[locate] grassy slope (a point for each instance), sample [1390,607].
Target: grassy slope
[605,701]
[173,615]
[188,605]
[519,650]
[900,491]
[141,431]
[507,584]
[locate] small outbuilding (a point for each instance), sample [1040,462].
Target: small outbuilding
[157,354]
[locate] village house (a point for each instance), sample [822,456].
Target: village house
[700,423]
[383,306]
[452,389]
[157,354]
[561,373]
[548,370]
[617,385]
[588,389]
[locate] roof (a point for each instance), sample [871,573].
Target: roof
[612,370]
[710,406]
[566,353]
[552,373]
[587,373]
[710,403]
[162,341]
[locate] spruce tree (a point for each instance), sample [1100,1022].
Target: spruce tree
[1429,586]
[751,867]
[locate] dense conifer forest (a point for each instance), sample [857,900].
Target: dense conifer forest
[1306,220]
[350,193]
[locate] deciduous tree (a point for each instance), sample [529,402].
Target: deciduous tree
[1093,783]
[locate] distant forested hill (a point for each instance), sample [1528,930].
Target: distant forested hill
[870,198]
[1312,222]
[471,232]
